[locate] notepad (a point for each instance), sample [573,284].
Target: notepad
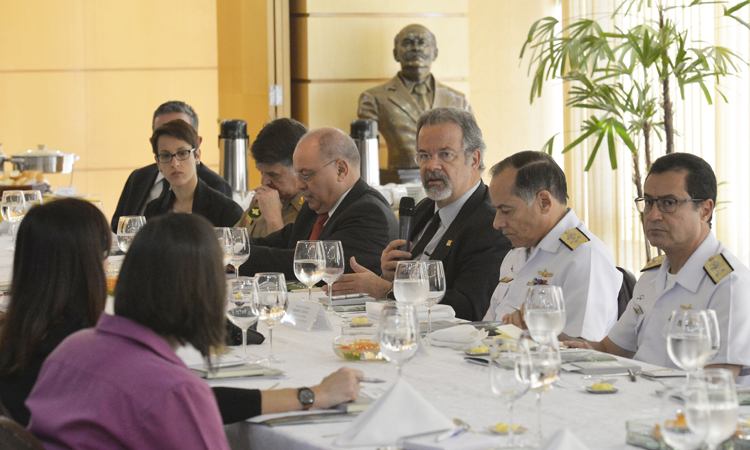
[247,370]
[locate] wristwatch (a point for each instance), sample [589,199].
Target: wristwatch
[306,397]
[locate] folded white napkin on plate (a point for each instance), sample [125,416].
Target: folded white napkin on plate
[439,312]
[563,439]
[461,337]
[400,412]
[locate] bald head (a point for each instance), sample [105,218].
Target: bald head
[333,143]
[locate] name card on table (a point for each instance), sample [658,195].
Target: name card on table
[307,316]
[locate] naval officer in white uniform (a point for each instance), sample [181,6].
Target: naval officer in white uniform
[551,246]
[695,272]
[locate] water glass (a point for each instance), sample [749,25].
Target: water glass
[309,264]
[127,228]
[689,339]
[435,289]
[543,370]
[683,416]
[723,405]
[410,283]
[272,301]
[240,248]
[333,253]
[509,377]
[33,198]
[241,307]
[398,335]
[713,327]
[544,312]
[224,236]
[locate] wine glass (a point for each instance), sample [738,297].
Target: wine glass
[713,327]
[544,312]
[241,309]
[224,236]
[684,415]
[33,198]
[543,371]
[13,208]
[127,228]
[435,289]
[689,339]
[333,253]
[240,248]
[410,282]
[509,377]
[309,264]
[398,335]
[271,300]
[723,405]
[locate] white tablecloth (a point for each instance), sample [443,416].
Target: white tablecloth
[456,388]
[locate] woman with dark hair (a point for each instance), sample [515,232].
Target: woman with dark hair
[176,147]
[58,288]
[121,384]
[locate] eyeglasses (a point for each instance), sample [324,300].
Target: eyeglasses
[443,157]
[306,176]
[182,155]
[665,205]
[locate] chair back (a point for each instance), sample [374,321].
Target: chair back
[626,290]
[15,437]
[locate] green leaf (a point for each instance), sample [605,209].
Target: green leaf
[611,146]
[547,147]
[593,152]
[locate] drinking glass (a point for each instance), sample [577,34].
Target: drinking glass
[723,405]
[333,253]
[689,339]
[33,198]
[241,309]
[240,248]
[713,327]
[271,300]
[683,416]
[544,312]
[436,289]
[309,264]
[127,228]
[398,335]
[224,236]
[13,209]
[509,377]
[543,370]
[410,282]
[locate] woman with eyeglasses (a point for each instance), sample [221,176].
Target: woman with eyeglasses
[58,287]
[177,153]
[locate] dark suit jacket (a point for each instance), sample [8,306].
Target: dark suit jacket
[471,250]
[364,223]
[220,210]
[396,112]
[140,182]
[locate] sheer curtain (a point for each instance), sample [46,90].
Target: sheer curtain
[719,133]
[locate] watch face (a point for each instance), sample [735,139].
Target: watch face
[306,396]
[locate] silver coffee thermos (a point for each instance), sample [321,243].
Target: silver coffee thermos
[233,145]
[365,135]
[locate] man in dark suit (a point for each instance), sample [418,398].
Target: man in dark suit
[147,183]
[339,205]
[453,225]
[397,104]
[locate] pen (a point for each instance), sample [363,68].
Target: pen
[347,296]
[451,433]
[370,380]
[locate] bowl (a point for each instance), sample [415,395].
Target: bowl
[357,348]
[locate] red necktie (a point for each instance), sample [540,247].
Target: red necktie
[318,228]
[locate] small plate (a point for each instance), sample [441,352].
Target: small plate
[521,430]
[591,390]
[469,353]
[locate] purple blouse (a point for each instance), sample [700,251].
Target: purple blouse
[120,385]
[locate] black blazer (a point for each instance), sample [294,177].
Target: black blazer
[364,223]
[220,210]
[139,184]
[471,250]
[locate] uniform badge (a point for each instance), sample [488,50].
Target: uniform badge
[717,267]
[655,262]
[301,200]
[573,238]
[638,310]
[448,244]
[544,273]
[687,308]
[536,282]
[506,280]
[254,213]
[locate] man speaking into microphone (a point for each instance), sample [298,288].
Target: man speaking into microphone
[453,224]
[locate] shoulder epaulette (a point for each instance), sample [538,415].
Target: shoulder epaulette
[717,267]
[573,238]
[655,262]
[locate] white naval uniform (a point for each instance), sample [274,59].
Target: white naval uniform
[642,327]
[589,279]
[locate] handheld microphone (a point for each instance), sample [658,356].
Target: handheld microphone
[405,216]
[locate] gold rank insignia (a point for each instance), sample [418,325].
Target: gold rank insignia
[301,200]
[687,308]
[254,212]
[717,267]
[448,244]
[544,273]
[506,280]
[655,262]
[573,238]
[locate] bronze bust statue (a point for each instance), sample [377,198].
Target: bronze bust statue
[397,104]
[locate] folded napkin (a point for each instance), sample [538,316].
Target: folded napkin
[460,337]
[564,439]
[439,312]
[400,412]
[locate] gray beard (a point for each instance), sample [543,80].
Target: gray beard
[437,193]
